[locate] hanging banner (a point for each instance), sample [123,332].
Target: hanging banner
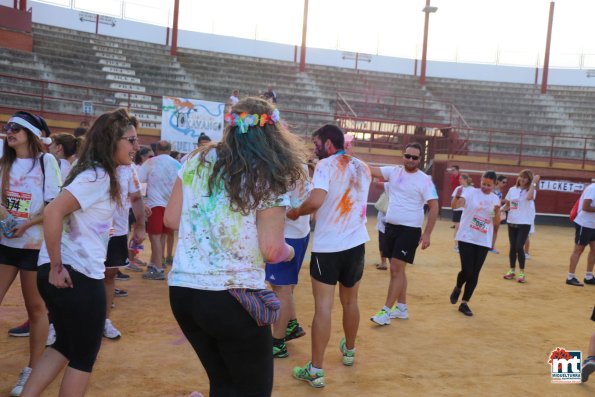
[183,120]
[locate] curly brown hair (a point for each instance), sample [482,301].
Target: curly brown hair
[100,146]
[258,165]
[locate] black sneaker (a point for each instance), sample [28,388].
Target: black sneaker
[463,308]
[294,331]
[575,282]
[454,297]
[590,281]
[21,330]
[280,350]
[122,277]
[120,293]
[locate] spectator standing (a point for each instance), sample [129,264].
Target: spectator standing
[270,95]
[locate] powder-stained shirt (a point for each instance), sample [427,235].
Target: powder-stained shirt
[341,220]
[26,195]
[409,191]
[477,220]
[522,210]
[217,247]
[85,231]
[128,184]
[299,228]
[159,173]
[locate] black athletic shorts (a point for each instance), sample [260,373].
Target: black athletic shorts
[21,258]
[583,235]
[381,241]
[346,267]
[401,242]
[456,216]
[117,251]
[78,315]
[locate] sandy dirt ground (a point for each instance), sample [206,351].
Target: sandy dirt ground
[502,350]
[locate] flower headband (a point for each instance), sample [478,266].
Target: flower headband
[245,120]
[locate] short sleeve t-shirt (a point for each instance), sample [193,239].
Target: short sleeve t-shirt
[160,174]
[454,193]
[477,220]
[128,184]
[26,195]
[85,231]
[341,220]
[217,247]
[299,228]
[522,210]
[408,193]
[583,218]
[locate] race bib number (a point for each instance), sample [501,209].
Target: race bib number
[514,205]
[18,204]
[480,224]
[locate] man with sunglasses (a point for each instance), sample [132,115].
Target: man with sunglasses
[409,190]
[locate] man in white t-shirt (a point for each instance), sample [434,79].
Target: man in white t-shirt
[339,198]
[409,190]
[584,224]
[160,173]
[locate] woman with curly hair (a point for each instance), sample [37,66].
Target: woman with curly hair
[71,261]
[229,204]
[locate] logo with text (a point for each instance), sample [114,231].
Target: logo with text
[565,365]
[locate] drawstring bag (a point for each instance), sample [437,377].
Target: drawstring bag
[382,203]
[262,304]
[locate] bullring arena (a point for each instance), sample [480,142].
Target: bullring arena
[70,65]
[503,349]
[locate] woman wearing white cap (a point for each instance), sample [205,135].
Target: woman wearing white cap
[30,178]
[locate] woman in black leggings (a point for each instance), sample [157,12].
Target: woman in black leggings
[520,203]
[481,214]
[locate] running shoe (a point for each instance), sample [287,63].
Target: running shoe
[510,275]
[120,293]
[590,281]
[109,331]
[494,251]
[133,267]
[303,373]
[464,308]
[280,350]
[122,277]
[51,335]
[575,282]
[456,249]
[20,330]
[18,387]
[588,369]
[153,273]
[398,313]
[521,278]
[293,330]
[381,318]
[348,355]
[527,256]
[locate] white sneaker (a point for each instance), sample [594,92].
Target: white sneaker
[527,256]
[51,335]
[381,318]
[109,331]
[398,313]
[18,387]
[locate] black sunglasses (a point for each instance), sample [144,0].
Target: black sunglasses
[410,157]
[12,127]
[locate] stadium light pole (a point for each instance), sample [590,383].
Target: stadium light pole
[174,34]
[548,42]
[427,10]
[304,30]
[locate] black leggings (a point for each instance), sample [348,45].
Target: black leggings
[517,236]
[78,315]
[235,352]
[472,259]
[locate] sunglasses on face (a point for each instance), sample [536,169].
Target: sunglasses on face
[131,139]
[12,128]
[411,157]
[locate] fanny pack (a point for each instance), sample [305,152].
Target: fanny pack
[262,304]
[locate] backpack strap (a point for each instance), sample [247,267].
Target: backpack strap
[41,163]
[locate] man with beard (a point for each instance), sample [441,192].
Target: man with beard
[409,189]
[339,198]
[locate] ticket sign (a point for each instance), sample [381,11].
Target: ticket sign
[562,186]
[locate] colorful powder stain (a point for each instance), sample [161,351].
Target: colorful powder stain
[343,162]
[345,204]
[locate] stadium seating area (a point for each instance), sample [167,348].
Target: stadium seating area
[136,74]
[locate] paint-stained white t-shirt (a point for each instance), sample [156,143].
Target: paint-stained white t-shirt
[299,228]
[341,220]
[128,184]
[522,210]
[477,219]
[160,174]
[85,231]
[217,247]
